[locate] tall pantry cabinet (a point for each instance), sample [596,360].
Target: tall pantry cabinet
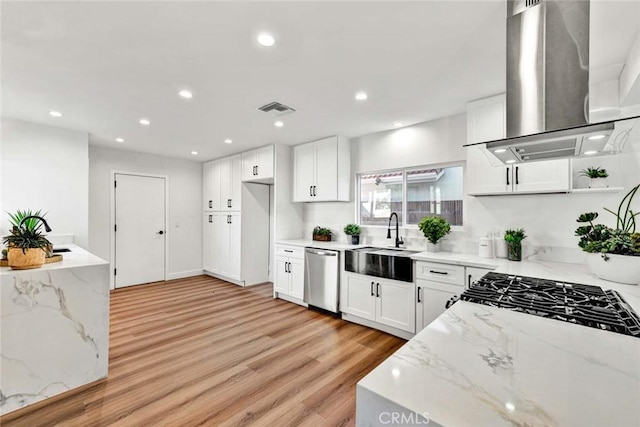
[235,224]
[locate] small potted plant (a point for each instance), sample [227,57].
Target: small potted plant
[614,252]
[597,175]
[514,240]
[27,248]
[434,228]
[321,234]
[353,230]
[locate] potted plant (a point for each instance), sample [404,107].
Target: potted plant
[514,238]
[27,247]
[615,252]
[353,230]
[597,175]
[321,234]
[434,228]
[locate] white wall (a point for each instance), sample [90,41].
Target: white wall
[549,220]
[185,204]
[46,168]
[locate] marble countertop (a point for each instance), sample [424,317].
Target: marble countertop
[337,246]
[485,366]
[78,257]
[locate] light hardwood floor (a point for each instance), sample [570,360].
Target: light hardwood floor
[201,351]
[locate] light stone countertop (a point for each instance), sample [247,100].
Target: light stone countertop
[78,257]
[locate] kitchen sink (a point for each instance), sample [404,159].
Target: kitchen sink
[394,264]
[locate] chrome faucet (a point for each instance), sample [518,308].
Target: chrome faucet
[399,240]
[46,226]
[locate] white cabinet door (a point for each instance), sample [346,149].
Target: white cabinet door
[432,302]
[474,274]
[542,177]
[487,119]
[264,162]
[326,167]
[222,244]
[208,234]
[235,249]
[485,175]
[235,193]
[207,203]
[249,164]
[216,245]
[282,275]
[296,278]
[359,297]
[396,305]
[304,167]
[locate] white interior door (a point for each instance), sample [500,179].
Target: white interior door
[139,230]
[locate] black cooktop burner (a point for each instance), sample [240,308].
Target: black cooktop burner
[570,302]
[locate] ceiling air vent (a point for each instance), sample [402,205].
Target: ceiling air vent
[277,109]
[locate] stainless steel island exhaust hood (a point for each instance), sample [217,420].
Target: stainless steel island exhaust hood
[548,86]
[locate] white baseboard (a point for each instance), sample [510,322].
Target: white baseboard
[290,299]
[379,326]
[183,274]
[223,277]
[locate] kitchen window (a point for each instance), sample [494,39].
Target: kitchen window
[412,193]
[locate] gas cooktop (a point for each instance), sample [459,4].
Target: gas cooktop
[570,302]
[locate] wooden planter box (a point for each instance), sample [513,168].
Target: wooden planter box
[320,238]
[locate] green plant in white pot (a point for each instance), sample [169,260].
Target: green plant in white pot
[434,229]
[614,252]
[597,175]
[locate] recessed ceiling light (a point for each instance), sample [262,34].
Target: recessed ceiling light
[195,153]
[596,137]
[510,406]
[510,161]
[500,150]
[145,122]
[185,94]
[266,39]
[55,113]
[397,124]
[590,153]
[361,96]
[278,124]
[228,141]
[120,140]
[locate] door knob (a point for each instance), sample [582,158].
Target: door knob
[160,232]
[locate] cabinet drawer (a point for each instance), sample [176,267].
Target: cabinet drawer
[443,273]
[290,251]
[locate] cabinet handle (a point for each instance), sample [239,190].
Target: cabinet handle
[289,268]
[285,267]
[419,300]
[372,288]
[469,282]
[517,178]
[508,176]
[378,290]
[288,250]
[311,190]
[228,203]
[210,204]
[257,173]
[438,272]
[230,219]
[210,218]
[314,191]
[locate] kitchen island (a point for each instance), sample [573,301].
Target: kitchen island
[486,366]
[54,328]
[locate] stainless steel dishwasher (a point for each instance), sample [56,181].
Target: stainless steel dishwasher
[322,278]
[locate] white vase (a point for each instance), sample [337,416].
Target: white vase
[617,268]
[433,248]
[598,183]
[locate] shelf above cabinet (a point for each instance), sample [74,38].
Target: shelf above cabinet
[597,190]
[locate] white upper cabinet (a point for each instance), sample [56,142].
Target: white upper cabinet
[230,183]
[486,175]
[211,185]
[322,170]
[257,165]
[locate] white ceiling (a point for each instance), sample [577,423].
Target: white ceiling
[105,65]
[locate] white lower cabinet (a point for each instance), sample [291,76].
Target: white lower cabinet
[431,301]
[474,274]
[289,277]
[221,244]
[388,302]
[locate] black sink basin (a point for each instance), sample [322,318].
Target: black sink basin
[58,250]
[394,264]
